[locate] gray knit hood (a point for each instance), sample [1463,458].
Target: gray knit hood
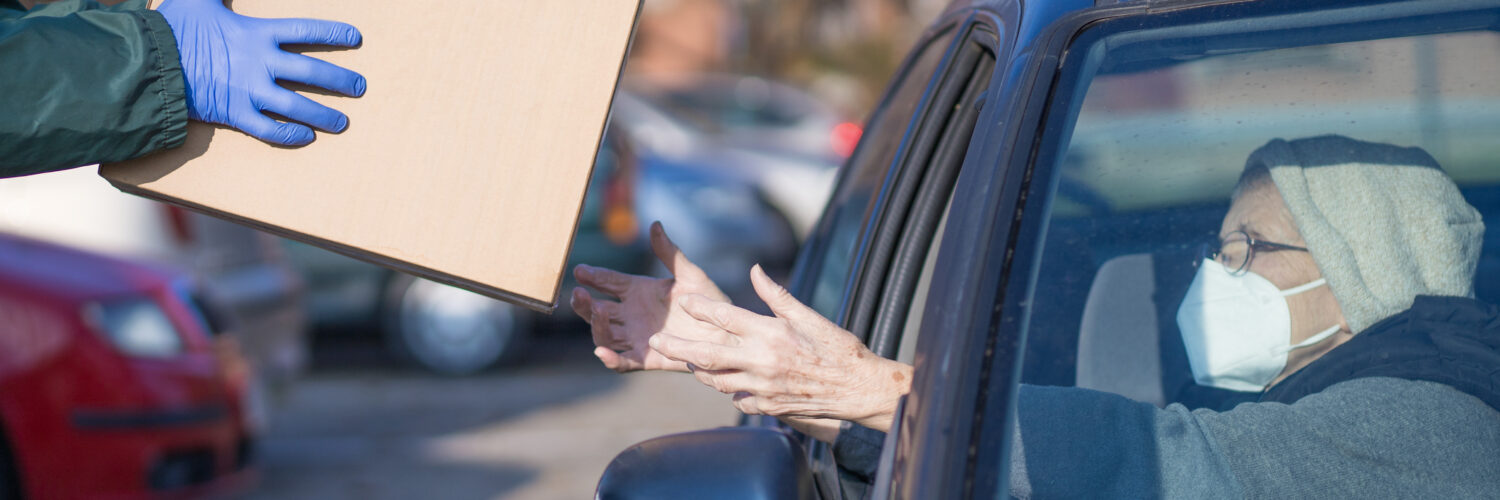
[1383,223]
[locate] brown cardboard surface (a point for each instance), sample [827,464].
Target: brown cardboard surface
[466,160]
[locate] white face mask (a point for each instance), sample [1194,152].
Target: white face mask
[1237,329]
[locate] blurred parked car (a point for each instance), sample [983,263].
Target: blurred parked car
[113,383]
[1027,202]
[242,268]
[794,183]
[718,219]
[754,113]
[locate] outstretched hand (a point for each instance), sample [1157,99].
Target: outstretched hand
[647,306]
[231,64]
[795,364]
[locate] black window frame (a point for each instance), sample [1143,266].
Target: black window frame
[879,305]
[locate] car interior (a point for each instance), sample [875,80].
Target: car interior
[1146,180]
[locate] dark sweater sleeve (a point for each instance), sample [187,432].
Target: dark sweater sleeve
[1365,438]
[857,450]
[86,84]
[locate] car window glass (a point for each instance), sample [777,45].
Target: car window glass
[845,217]
[1162,130]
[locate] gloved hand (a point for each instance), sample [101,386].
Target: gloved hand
[231,63]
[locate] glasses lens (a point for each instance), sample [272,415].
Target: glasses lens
[1234,252]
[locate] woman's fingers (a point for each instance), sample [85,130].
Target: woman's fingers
[781,302]
[605,280]
[613,360]
[703,355]
[672,257]
[583,304]
[604,325]
[726,317]
[748,404]
[728,381]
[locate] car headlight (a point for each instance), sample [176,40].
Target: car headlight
[137,327]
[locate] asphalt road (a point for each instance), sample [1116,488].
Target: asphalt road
[360,427]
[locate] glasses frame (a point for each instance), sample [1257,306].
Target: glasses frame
[1213,250]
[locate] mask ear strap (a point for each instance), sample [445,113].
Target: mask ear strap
[1299,289]
[1313,340]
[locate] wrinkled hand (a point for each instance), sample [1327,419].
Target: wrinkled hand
[647,306]
[231,63]
[796,364]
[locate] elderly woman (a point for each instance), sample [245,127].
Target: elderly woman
[1340,290]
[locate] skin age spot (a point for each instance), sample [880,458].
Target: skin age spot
[898,376]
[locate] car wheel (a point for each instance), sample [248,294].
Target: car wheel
[449,330]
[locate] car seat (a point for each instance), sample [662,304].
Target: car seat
[1118,348]
[1128,342]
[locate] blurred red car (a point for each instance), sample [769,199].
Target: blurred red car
[112,383]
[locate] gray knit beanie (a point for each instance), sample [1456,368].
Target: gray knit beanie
[1383,223]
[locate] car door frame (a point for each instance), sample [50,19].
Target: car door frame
[955,427]
[883,244]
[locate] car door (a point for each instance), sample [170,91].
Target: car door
[1122,138]
[870,245]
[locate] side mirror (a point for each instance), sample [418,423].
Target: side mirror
[725,463]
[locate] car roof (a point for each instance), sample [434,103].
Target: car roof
[38,268]
[1034,15]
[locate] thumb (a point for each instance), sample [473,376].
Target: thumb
[781,302]
[672,257]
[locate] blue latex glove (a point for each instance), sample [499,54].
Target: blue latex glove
[231,63]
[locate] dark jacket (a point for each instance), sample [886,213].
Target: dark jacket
[84,83]
[1406,409]
[1453,341]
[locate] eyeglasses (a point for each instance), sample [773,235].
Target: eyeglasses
[1237,250]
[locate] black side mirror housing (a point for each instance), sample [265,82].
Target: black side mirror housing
[725,463]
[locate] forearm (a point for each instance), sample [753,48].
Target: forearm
[87,84]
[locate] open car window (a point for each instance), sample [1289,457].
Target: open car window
[1160,140]
[830,256]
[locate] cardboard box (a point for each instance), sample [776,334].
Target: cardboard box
[465,162]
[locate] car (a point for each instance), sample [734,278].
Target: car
[752,112]
[114,382]
[719,218]
[794,184]
[1027,202]
[244,269]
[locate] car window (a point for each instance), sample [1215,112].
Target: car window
[907,350]
[1156,134]
[834,243]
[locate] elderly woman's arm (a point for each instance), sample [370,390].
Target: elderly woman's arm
[647,306]
[794,364]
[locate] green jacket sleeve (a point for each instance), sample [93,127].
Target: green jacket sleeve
[85,83]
